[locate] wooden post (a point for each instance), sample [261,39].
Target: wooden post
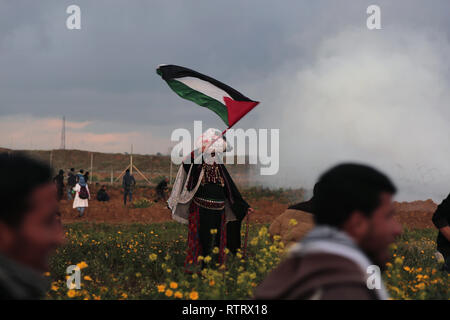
[143,176]
[92,166]
[112,175]
[131,160]
[122,173]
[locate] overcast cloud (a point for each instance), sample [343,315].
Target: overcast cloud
[336,90]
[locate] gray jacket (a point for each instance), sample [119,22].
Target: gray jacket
[19,282]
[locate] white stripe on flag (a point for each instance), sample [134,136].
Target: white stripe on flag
[204,87]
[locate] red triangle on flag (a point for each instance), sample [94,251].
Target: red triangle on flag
[238,109]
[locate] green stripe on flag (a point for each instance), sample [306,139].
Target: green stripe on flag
[197,97]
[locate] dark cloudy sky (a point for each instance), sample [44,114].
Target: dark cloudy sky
[336,90]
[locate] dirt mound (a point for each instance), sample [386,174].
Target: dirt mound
[416,214]
[291,226]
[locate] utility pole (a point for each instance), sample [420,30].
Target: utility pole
[131,160]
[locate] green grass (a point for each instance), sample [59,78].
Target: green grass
[141,261]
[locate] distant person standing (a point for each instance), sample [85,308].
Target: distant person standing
[161,190]
[441,220]
[128,184]
[86,177]
[58,180]
[80,177]
[82,196]
[71,182]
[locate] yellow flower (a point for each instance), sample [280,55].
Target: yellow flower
[213,231]
[82,265]
[71,293]
[178,295]
[293,222]
[174,285]
[407,268]
[193,295]
[207,259]
[87,278]
[169,292]
[263,231]
[124,295]
[420,286]
[161,288]
[54,288]
[47,274]
[152,257]
[398,261]
[211,282]
[215,250]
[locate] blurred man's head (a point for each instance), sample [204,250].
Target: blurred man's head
[358,200]
[29,225]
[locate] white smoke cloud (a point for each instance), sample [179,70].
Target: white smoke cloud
[380,98]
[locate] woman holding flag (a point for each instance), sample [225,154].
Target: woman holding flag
[204,196]
[209,200]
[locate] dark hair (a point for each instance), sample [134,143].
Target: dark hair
[346,188]
[72,169]
[61,171]
[81,170]
[128,170]
[21,175]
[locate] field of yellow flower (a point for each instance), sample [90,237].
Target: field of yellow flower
[415,272]
[146,262]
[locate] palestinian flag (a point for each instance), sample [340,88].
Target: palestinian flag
[207,92]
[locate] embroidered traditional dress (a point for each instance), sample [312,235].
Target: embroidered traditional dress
[205,197]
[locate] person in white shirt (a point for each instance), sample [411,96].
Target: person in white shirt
[82,197]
